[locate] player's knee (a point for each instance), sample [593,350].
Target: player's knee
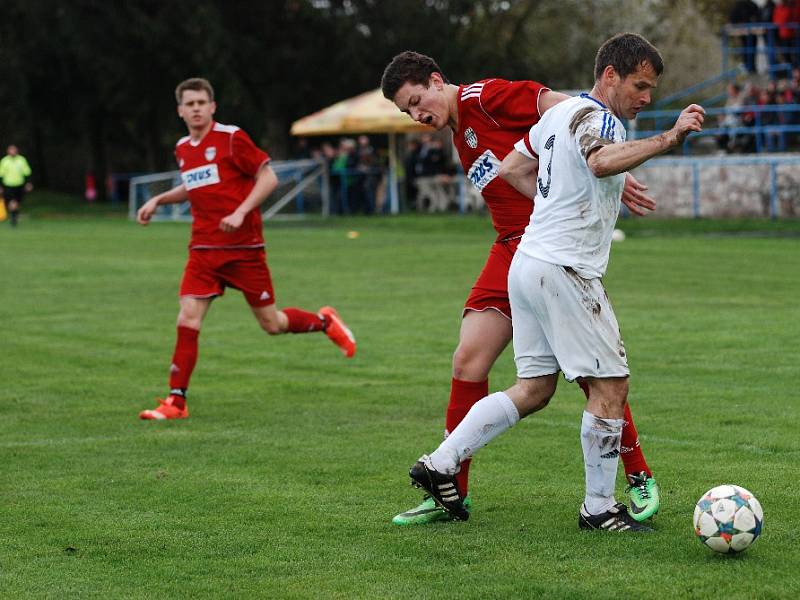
[534,403]
[189,321]
[468,365]
[271,326]
[536,395]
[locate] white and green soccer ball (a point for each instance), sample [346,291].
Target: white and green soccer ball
[728,519]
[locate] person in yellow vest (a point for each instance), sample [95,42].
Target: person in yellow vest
[15,173]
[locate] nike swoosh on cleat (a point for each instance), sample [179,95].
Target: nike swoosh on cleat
[424,511]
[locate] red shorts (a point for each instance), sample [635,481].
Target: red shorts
[491,289]
[209,272]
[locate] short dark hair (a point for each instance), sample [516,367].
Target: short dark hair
[196,84]
[408,67]
[626,52]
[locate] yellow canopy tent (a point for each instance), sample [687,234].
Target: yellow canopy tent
[367,113]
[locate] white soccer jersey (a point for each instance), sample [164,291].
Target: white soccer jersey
[575,212]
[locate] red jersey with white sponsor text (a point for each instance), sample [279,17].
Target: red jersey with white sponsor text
[218,172]
[493,114]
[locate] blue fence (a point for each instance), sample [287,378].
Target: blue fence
[767,136]
[726,76]
[740,42]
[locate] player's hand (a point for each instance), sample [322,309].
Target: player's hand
[146,211]
[232,222]
[634,197]
[28,187]
[690,120]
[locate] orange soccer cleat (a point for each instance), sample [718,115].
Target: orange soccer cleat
[337,331]
[165,410]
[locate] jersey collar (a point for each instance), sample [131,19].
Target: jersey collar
[588,97]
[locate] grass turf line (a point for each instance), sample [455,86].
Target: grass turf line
[283,482]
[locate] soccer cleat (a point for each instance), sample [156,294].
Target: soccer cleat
[337,331]
[427,512]
[615,518]
[442,488]
[166,410]
[644,494]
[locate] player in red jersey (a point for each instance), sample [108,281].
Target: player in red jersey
[487,118]
[225,177]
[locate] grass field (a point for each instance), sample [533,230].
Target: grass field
[285,478]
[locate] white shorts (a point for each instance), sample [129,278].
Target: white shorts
[562,322]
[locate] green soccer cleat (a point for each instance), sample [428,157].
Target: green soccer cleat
[644,494]
[427,512]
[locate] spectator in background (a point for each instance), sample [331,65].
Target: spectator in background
[15,173]
[769,97]
[410,165]
[791,95]
[750,97]
[784,14]
[746,12]
[731,119]
[431,157]
[366,177]
[342,177]
[433,182]
[301,149]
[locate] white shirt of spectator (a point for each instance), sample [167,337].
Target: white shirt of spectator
[574,211]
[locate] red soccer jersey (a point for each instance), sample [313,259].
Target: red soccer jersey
[219,172]
[494,114]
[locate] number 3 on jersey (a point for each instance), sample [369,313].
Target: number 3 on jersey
[545,189]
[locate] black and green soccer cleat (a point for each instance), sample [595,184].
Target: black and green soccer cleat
[442,487]
[644,495]
[427,512]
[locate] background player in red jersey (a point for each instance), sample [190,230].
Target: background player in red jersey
[487,118]
[225,177]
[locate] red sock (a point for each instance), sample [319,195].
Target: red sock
[463,394]
[301,321]
[630,451]
[183,361]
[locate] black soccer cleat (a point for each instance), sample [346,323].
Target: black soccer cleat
[442,488]
[615,518]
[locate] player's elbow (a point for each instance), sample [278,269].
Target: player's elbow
[513,170]
[600,166]
[505,171]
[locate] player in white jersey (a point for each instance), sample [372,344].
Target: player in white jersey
[563,320]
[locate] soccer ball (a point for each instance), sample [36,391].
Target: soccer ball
[728,519]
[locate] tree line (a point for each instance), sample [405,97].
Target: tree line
[88,84]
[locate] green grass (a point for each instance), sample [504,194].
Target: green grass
[283,482]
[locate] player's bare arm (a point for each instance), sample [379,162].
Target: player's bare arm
[266,182]
[612,159]
[548,99]
[519,171]
[173,196]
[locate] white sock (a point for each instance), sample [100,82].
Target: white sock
[487,419]
[600,439]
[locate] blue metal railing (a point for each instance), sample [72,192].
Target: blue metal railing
[773,48]
[726,76]
[765,135]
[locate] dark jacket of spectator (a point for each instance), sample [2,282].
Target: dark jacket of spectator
[744,11]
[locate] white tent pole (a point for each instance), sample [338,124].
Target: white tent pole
[393,192]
